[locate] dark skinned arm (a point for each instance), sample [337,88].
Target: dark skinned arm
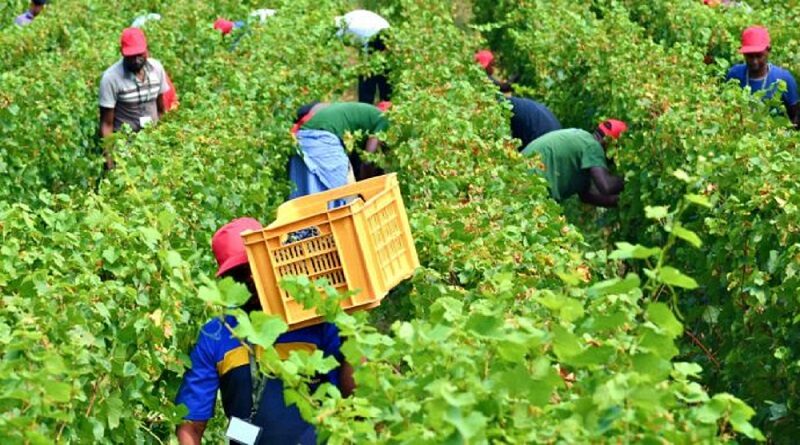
[599,200]
[606,183]
[347,382]
[793,111]
[372,144]
[106,129]
[191,433]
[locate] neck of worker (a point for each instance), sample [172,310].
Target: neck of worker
[759,73]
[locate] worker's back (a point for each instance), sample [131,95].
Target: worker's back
[567,155]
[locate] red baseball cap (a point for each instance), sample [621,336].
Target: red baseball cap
[132,42]
[755,39]
[612,128]
[228,245]
[225,26]
[384,105]
[484,58]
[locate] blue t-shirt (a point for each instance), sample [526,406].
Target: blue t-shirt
[530,119]
[769,84]
[221,362]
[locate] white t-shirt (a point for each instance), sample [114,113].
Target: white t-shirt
[263,14]
[361,23]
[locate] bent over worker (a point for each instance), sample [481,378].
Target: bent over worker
[320,127]
[530,120]
[132,90]
[760,75]
[26,18]
[575,159]
[222,362]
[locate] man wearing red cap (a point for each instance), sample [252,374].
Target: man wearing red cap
[574,159]
[485,59]
[131,90]
[320,129]
[760,75]
[221,362]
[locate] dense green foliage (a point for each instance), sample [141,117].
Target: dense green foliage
[514,331]
[645,62]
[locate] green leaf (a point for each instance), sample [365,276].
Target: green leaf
[469,426]
[565,343]
[56,391]
[150,236]
[687,235]
[233,294]
[211,294]
[698,200]
[657,212]
[174,259]
[674,277]
[615,286]
[266,329]
[114,410]
[626,251]
[660,315]
[485,325]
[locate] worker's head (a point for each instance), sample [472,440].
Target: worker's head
[755,48]
[485,58]
[133,46]
[229,250]
[224,26]
[610,130]
[37,6]
[304,110]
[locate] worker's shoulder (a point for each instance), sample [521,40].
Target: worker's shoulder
[363,16]
[360,106]
[156,64]
[737,71]
[216,332]
[114,71]
[781,72]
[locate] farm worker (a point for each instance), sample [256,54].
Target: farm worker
[486,60]
[142,20]
[220,361]
[35,8]
[226,26]
[320,128]
[263,14]
[760,75]
[530,119]
[367,29]
[171,96]
[132,90]
[575,159]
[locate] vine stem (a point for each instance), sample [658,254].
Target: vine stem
[700,344]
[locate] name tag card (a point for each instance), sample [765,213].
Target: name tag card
[242,432]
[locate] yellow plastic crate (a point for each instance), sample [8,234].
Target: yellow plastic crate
[365,246]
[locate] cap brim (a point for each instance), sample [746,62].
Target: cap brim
[753,49]
[231,263]
[134,50]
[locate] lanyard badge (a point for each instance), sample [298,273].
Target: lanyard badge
[241,431]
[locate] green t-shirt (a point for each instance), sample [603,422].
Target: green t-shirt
[567,156]
[342,117]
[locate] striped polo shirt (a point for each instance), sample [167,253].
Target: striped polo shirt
[131,98]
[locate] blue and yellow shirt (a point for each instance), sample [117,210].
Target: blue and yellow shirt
[220,362]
